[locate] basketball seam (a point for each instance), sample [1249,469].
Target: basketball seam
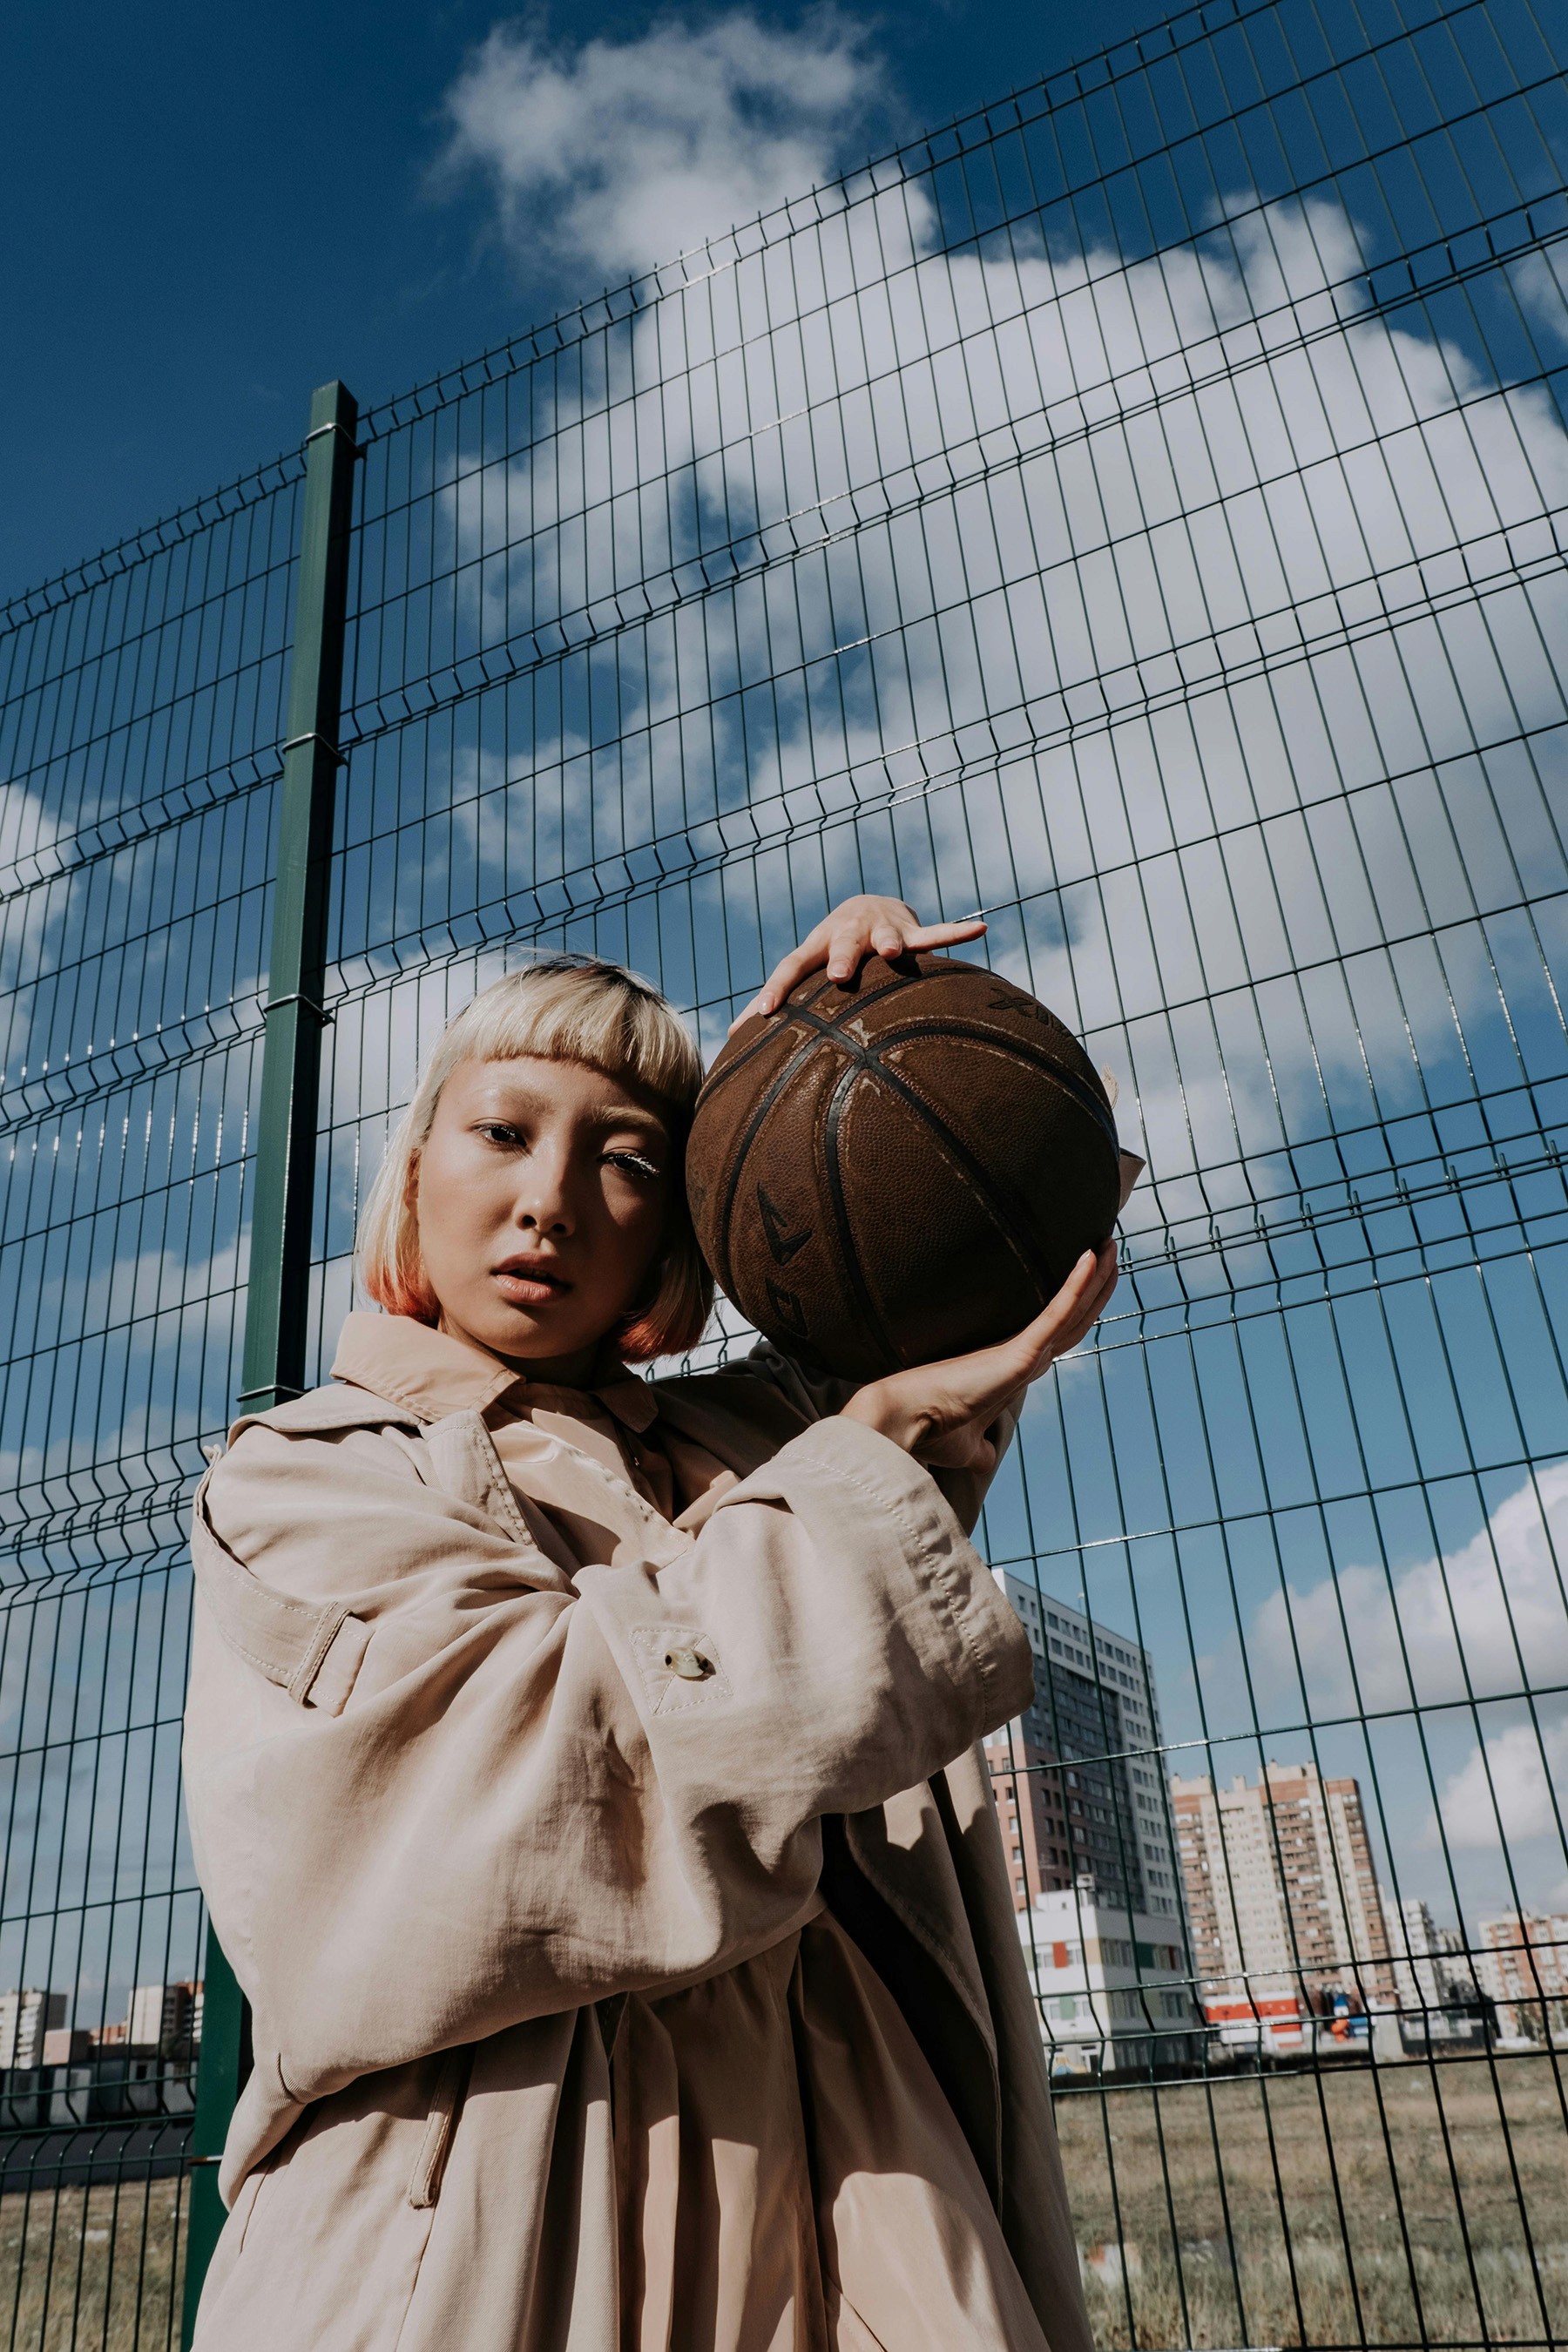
[748,1137]
[718,1077]
[937,1025]
[1002,1211]
[843,1086]
[970,1176]
[998,1193]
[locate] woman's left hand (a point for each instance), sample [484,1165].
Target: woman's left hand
[843,940]
[944,1413]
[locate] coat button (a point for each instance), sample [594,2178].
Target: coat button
[690,1664]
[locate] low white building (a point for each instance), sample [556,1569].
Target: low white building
[1112,1987]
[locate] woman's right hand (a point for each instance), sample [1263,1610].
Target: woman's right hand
[943,1414]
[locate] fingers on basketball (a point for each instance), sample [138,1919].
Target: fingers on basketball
[1061,1324]
[1091,1305]
[943,935]
[792,967]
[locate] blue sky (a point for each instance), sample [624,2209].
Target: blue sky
[208,211]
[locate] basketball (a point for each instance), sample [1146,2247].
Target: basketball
[901,1168]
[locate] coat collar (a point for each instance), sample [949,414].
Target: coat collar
[434,1374]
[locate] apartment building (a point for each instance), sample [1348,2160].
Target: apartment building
[27,2016]
[164,2017]
[1431,1969]
[1077,1782]
[1282,1899]
[1078,1778]
[1522,1965]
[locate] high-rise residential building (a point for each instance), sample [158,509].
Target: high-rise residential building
[160,2017]
[1522,1965]
[1079,1787]
[1282,1897]
[26,2017]
[1113,1988]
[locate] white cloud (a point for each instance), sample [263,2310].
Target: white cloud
[1506,1785]
[1215,443]
[624,154]
[1487,1619]
[1541,282]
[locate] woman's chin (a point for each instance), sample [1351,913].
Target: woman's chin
[528,1334]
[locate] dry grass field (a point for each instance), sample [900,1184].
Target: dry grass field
[1368,2209]
[92,2270]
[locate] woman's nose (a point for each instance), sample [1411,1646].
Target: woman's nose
[544,1199]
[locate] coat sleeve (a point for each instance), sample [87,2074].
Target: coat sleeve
[523,1805]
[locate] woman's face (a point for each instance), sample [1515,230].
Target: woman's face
[541,1198]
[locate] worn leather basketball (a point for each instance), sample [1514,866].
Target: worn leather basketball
[900,1169]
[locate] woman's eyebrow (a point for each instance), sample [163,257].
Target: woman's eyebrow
[517,1101]
[628,1115]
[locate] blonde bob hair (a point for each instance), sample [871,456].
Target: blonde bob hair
[562,1009]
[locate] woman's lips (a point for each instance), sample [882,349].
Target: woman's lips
[530,1286]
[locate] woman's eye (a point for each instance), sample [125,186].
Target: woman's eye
[494,1131]
[634,1162]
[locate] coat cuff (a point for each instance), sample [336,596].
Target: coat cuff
[867,1475]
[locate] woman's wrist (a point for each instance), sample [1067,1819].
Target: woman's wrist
[880,1407]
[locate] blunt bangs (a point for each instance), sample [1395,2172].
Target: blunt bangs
[561,1009]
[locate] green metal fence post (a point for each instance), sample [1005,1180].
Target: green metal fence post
[274,1320]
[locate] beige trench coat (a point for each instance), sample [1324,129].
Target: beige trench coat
[445,1798]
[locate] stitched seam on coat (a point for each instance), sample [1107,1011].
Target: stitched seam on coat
[230,1590]
[500,1494]
[669,1694]
[429,2213]
[333,1620]
[942,1573]
[279,1600]
[857,2315]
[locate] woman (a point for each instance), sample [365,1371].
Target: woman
[582,1773]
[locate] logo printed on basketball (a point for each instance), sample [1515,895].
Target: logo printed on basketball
[947,1148]
[782,1244]
[1013,1000]
[787,1310]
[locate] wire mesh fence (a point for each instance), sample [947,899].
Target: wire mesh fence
[1137,512]
[140,723]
